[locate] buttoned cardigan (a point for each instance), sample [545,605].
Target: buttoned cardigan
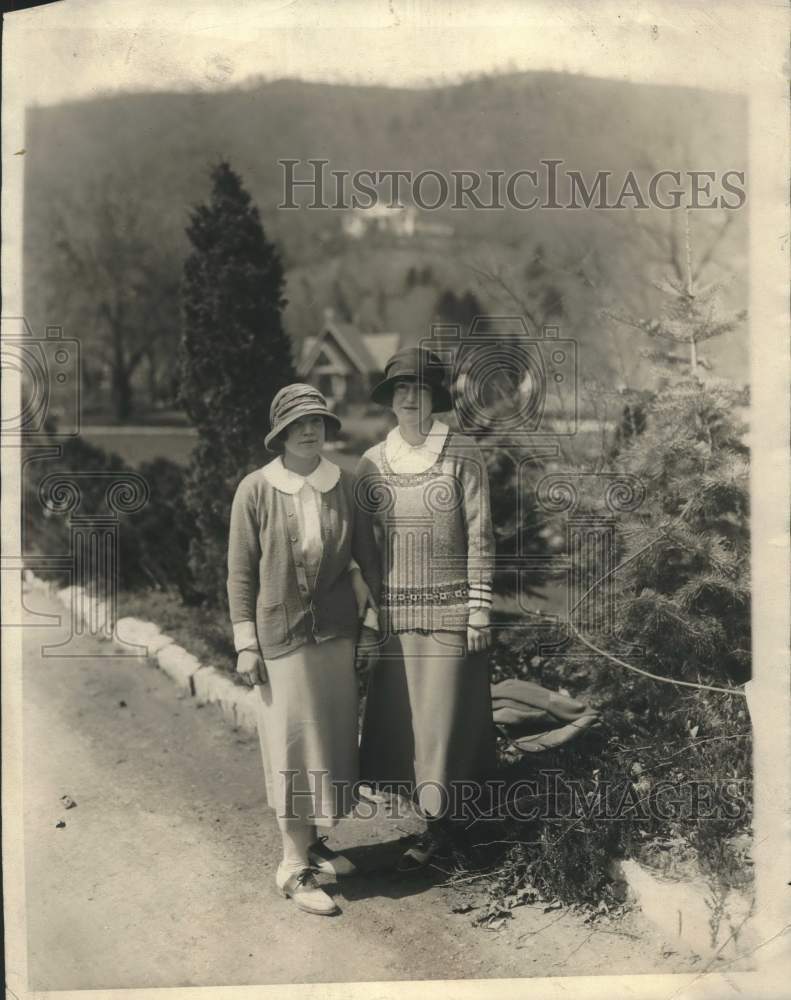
[269,582]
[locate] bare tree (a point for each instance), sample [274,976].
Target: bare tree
[116,285]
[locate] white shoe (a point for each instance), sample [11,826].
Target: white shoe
[302,887]
[328,861]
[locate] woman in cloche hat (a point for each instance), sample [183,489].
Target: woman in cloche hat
[301,573]
[428,716]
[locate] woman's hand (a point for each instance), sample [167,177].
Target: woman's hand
[362,594]
[478,633]
[250,666]
[367,648]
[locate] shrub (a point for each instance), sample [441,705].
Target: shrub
[47,533]
[520,528]
[153,541]
[681,595]
[165,528]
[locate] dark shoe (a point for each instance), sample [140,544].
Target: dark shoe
[328,861]
[419,855]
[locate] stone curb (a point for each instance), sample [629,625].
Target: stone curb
[205,683]
[682,911]
[687,913]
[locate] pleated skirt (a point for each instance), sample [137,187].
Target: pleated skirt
[307,729]
[427,727]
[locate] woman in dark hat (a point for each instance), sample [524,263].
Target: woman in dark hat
[297,594]
[428,717]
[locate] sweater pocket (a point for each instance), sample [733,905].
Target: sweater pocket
[272,625]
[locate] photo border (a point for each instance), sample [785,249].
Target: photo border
[748,41]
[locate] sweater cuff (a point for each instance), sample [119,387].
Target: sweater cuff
[353,565]
[244,636]
[480,597]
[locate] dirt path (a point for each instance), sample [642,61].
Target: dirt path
[163,874]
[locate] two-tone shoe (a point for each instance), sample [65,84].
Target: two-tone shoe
[302,887]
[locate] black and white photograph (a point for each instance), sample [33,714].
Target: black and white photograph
[395,430]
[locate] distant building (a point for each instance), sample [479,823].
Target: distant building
[343,363]
[399,221]
[396,220]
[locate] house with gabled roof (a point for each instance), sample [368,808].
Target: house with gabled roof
[344,363]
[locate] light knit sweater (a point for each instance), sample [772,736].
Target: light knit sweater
[432,527]
[289,578]
[306,491]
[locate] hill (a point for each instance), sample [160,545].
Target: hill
[153,151]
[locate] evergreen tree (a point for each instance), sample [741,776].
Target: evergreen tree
[683,592]
[235,355]
[680,593]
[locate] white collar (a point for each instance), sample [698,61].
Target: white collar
[433,443]
[323,478]
[405,457]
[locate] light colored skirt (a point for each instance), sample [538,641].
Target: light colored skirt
[307,728]
[428,719]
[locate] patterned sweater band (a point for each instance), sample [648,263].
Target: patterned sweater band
[433,528]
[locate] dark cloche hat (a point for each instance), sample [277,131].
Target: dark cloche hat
[292,402]
[417,363]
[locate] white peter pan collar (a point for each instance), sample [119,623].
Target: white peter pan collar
[405,457]
[323,478]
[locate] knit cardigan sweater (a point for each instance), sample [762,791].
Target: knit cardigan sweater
[267,579]
[434,533]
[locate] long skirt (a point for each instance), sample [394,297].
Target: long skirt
[427,730]
[307,728]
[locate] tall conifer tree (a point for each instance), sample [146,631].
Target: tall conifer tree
[235,355]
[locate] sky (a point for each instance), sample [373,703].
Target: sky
[77,49]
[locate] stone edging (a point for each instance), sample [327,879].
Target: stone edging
[688,914]
[681,911]
[205,683]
